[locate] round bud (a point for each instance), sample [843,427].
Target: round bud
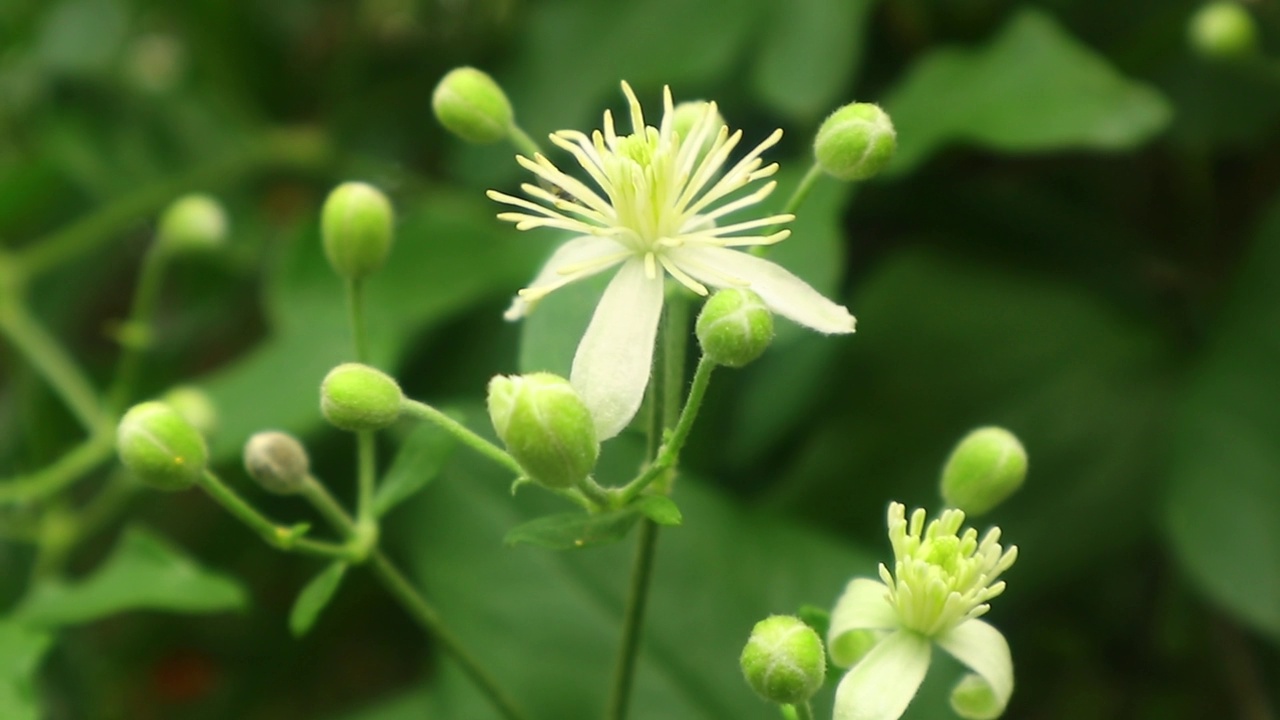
[161,448]
[195,406]
[855,142]
[784,661]
[472,106]
[687,114]
[357,397]
[277,461]
[192,223]
[1223,30]
[357,227]
[985,468]
[545,426]
[734,327]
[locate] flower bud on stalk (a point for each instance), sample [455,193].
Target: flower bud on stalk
[784,661]
[545,426]
[161,448]
[734,327]
[277,461]
[985,468]
[358,398]
[469,104]
[1223,30]
[357,228]
[855,142]
[195,406]
[192,223]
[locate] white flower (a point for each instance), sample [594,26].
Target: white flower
[656,209]
[939,587]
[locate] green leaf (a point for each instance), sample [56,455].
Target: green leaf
[21,650]
[570,531]
[810,53]
[1034,88]
[144,572]
[314,597]
[660,509]
[1224,497]
[549,336]
[420,459]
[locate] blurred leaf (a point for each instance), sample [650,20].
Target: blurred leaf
[21,650]
[144,572]
[1224,497]
[450,253]
[417,463]
[314,597]
[810,53]
[1033,88]
[568,531]
[660,509]
[82,37]
[549,336]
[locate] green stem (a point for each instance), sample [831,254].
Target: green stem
[425,615]
[366,477]
[423,411]
[323,501]
[278,536]
[355,316]
[55,365]
[52,478]
[798,196]
[137,331]
[803,711]
[522,142]
[669,454]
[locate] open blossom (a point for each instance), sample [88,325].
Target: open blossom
[938,589]
[657,205]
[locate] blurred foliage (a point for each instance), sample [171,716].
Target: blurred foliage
[1077,241]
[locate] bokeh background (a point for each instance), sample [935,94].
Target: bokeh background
[1079,240]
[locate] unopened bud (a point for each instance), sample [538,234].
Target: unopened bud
[545,426]
[1223,30]
[358,398]
[192,223]
[784,661]
[734,327]
[687,115]
[985,468]
[357,227]
[277,461]
[855,142]
[472,106]
[161,448]
[195,406]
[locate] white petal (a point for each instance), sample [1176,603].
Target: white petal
[587,255]
[784,293]
[612,364]
[984,650]
[882,685]
[863,606]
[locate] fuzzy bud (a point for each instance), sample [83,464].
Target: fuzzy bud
[195,406]
[545,426]
[985,468]
[784,661]
[734,327]
[357,227]
[277,461]
[855,142]
[472,106]
[192,223]
[1223,30]
[358,398]
[161,448]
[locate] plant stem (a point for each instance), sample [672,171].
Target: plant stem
[54,364]
[425,615]
[278,536]
[522,142]
[798,196]
[138,330]
[423,411]
[366,477]
[323,501]
[60,473]
[803,711]
[669,454]
[355,317]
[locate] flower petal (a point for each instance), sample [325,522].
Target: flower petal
[984,695]
[863,607]
[882,685]
[784,293]
[612,364]
[576,259]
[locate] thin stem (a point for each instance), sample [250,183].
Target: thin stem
[522,142]
[54,364]
[427,617]
[633,621]
[52,478]
[803,711]
[278,536]
[669,454]
[798,196]
[137,331]
[323,501]
[423,411]
[366,477]
[355,317]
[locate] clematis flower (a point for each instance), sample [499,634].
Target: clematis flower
[657,205]
[938,589]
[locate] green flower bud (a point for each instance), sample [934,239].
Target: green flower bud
[277,461]
[985,468]
[357,397]
[1223,30]
[855,142]
[734,327]
[195,406]
[192,223]
[687,114]
[545,426]
[472,106]
[161,448]
[784,661]
[357,226]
